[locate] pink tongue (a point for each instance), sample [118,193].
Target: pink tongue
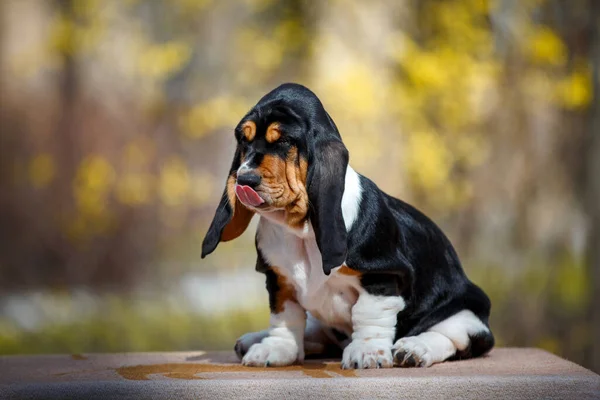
[248,196]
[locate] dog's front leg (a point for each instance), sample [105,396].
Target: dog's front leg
[284,344]
[374,328]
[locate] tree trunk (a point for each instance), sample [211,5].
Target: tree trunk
[592,194]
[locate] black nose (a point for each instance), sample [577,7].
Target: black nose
[251,180]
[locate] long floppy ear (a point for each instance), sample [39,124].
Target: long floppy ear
[231,218]
[326,181]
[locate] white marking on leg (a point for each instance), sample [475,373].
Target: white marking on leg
[285,343]
[440,342]
[374,327]
[459,327]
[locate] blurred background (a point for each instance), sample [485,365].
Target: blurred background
[116,136]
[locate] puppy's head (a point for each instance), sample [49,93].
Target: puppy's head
[289,159]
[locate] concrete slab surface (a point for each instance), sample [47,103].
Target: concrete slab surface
[505,373]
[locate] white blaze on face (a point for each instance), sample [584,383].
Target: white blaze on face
[243,168]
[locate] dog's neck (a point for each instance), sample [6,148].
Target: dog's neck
[278,217]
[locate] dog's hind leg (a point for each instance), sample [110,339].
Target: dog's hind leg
[462,335]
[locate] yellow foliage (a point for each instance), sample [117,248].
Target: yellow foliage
[460,193]
[362,152]
[452,111]
[408,102]
[82,227]
[135,188]
[259,5]
[575,91]
[174,182]
[90,203]
[219,112]
[42,170]
[203,187]
[96,174]
[62,34]
[259,52]
[481,6]
[539,87]
[93,181]
[87,8]
[470,150]
[426,70]
[482,80]
[69,35]
[357,90]
[428,159]
[461,25]
[291,33]
[193,6]
[441,99]
[545,47]
[356,97]
[160,61]
[138,153]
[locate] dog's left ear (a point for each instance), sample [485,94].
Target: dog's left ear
[231,218]
[328,161]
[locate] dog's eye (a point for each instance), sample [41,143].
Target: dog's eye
[284,141]
[285,138]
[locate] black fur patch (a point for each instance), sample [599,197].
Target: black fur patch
[339,336]
[479,345]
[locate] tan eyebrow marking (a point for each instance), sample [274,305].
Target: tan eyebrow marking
[249,129]
[273,133]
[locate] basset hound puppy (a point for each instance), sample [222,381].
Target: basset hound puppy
[346,265]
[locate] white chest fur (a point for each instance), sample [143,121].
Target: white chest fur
[296,255]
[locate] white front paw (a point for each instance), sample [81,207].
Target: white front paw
[374,353]
[272,352]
